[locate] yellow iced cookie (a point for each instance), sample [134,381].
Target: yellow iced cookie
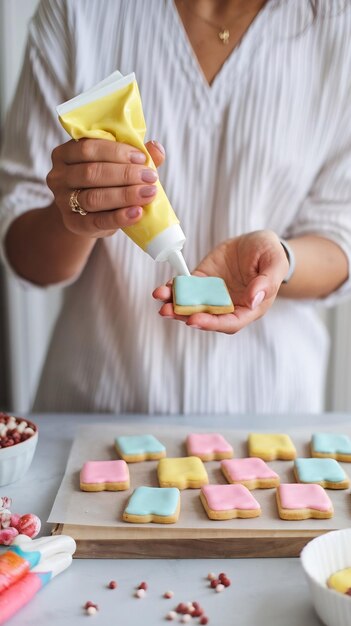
[271,446]
[341,581]
[183,472]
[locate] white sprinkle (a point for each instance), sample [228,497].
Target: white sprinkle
[91,610]
[219,588]
[28,431]
[21,426]
[5,518]
[140,593]
[171,615]
[186,618]
[211,576]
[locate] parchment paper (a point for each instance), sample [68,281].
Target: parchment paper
[96,443]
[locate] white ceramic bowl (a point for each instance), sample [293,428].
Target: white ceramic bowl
[15,460]
[320,558]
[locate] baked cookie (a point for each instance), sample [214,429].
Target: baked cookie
[325,472]
[297,501]
[208,447]
[183,472]
[104,476]
[228,501]
[271,446]
[136,448]
[332,446]
[153,504]
[251,472]
[341,581]
[196,294]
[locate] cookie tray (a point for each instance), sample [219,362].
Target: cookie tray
[94,520]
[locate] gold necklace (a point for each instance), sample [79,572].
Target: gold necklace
[223,32]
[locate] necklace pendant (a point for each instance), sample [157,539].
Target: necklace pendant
[224,36]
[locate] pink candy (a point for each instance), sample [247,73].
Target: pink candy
[29,524]
[14,520]
[5,502]
[7,535]
[5,518]
[11,524]
[14,430]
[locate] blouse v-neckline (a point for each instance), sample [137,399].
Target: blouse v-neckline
[210,95]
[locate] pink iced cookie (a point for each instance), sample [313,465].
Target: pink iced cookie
[298,501]
[208,446]
[104,476]
[251,472]
[223,502]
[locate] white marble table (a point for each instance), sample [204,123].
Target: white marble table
[263,591]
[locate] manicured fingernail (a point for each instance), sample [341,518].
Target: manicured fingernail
[258,299]
[159,147]
[194,326]
[149,176]
[147,192]
[137,157]
[133,212]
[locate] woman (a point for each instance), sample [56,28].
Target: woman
[252,101]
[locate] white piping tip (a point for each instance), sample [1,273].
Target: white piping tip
[176,259]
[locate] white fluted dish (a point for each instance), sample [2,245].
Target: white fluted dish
[15,460]
[320,558]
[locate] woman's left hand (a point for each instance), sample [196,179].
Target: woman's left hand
[253,267]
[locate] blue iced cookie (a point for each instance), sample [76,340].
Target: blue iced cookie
[153,504]
[136,448]
[325,472]
[196,294]
[331,445]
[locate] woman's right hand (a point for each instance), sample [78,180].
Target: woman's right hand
[113,180]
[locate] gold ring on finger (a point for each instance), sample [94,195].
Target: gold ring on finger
[74,203]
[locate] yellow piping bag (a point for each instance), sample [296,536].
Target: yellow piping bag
[112,110]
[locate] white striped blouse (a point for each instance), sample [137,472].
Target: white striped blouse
[268,145]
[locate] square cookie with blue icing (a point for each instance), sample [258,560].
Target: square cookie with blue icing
[331,445]
[327,473]
[201,294]
[153,504]
[137,448]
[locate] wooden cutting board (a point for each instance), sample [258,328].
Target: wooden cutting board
[173,543]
